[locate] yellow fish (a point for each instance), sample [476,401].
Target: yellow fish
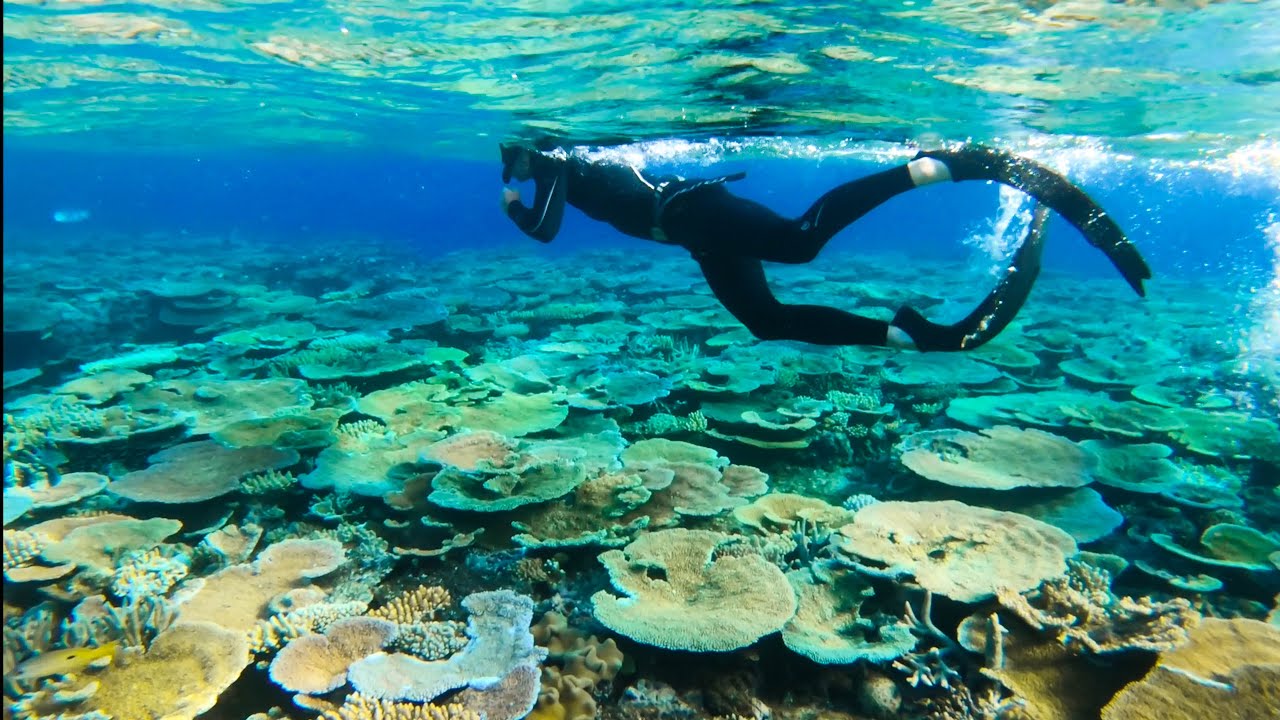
[63,662]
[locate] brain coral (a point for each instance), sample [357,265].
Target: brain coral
[679,594]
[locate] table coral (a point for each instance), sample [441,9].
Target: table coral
[237,596]
[197,471]
[829,628]
[957,550]
[317,664]
[999,458]
[1228,668]
[179,677]
[678,593]
[500,642]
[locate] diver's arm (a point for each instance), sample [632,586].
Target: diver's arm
[972,162]
[542,221]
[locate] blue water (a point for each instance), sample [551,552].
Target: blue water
[151,150]
[1188,222]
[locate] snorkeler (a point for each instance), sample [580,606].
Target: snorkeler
[730,236]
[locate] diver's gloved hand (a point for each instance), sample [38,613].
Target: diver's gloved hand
[974,162]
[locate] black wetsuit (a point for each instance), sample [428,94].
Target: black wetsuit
[731,236]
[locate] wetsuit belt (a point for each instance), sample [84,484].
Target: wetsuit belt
[669,190]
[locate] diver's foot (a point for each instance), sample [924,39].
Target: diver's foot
[923,334]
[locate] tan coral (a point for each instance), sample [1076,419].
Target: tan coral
[582,655]
[418,605]
[960,551]
[359,707]
[237,597]
[96,545]
[178,678]
[317,664]
[1228,668]
[564,696]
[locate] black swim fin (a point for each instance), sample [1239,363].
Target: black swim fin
[999,308]
[996,310]
[974,162]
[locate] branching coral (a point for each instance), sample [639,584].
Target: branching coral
[1080,609]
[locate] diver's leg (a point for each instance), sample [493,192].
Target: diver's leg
[740,285]
[995,312]
[1050,188]
[714,221]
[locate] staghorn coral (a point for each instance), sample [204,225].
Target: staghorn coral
[431,640]
[135,624]
[1083,613]
[270,482]
[149,574]
[415,606]
[273,633]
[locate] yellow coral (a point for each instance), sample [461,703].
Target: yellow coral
[180,676]
[359,707]
[1228,668]
[272,634]
[418,605]
[20,548]
[564,696]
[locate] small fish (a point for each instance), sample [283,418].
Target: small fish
[63,662]
[70,215]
